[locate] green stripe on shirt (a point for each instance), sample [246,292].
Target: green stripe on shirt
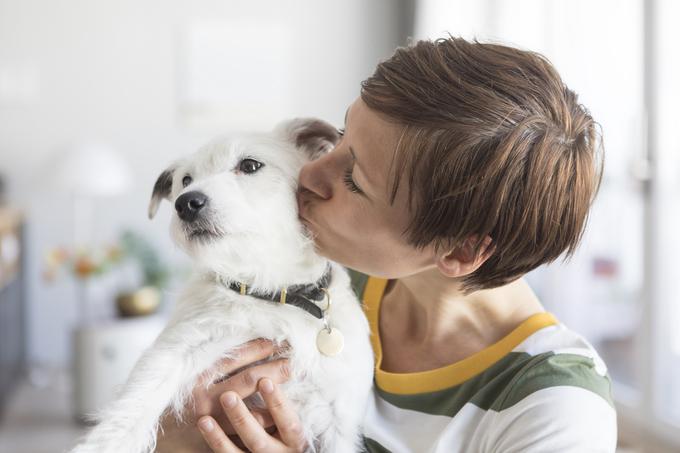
[508,381]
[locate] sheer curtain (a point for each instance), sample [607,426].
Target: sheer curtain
[663,73]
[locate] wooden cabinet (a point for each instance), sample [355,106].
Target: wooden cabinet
[12,319]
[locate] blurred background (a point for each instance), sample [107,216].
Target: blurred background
[96,98]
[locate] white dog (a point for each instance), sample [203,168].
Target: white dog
[257,276]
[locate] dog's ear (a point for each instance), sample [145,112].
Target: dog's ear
[161,190]
[314,136]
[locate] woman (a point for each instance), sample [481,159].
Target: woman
[462,167]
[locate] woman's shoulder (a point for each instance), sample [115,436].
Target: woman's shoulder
[559,391]
[556,357]
[551,393]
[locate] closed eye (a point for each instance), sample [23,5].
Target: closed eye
[349,182]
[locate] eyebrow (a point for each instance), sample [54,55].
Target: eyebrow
[351,150]
[354,156]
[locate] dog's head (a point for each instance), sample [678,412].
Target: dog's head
[235,199]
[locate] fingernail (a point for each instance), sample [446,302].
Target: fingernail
[267,386]
[206,425]
[229,400]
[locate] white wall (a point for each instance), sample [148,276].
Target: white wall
[77,71]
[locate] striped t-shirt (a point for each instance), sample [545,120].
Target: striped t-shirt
[542,388]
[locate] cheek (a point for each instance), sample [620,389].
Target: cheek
[378,247]
[357,235]
[335,229]
[351,224]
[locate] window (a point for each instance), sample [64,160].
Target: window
[620,289]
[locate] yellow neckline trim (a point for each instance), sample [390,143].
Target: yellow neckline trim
[450,375]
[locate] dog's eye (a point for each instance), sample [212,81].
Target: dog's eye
[186,181]
[250,166]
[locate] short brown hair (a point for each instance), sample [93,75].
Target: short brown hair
[493,143]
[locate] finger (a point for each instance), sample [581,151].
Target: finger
[245,354]
[285,417]
[248,429]
[245,382]
[211,406]
[282,348]
[215,437]
[263,417]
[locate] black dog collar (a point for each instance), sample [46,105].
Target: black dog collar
[302,295]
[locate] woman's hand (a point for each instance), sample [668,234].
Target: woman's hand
[288,438]
[242,379]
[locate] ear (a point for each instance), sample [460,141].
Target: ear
[314,136]
[462,260]
[161,190]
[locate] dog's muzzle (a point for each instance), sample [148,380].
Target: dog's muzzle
[197,219]
[190,205]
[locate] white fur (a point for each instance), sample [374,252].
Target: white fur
[265,245]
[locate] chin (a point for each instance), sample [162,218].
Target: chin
[320,247]
[195,243]
[327,253]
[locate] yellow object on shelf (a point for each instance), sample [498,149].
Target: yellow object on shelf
[142,302]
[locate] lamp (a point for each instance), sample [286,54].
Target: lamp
[87,172]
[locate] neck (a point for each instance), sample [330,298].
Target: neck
[304,296]
[430,309]
[264,271]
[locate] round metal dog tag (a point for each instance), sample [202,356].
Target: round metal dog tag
[330,343]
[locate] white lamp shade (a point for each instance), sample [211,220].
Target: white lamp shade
[92,170]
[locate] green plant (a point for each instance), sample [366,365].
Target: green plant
[134,245]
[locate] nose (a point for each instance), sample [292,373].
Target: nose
[188,205]
[318,176]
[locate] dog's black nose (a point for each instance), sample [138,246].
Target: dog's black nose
[188,205]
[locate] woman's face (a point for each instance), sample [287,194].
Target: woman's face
[344,201]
